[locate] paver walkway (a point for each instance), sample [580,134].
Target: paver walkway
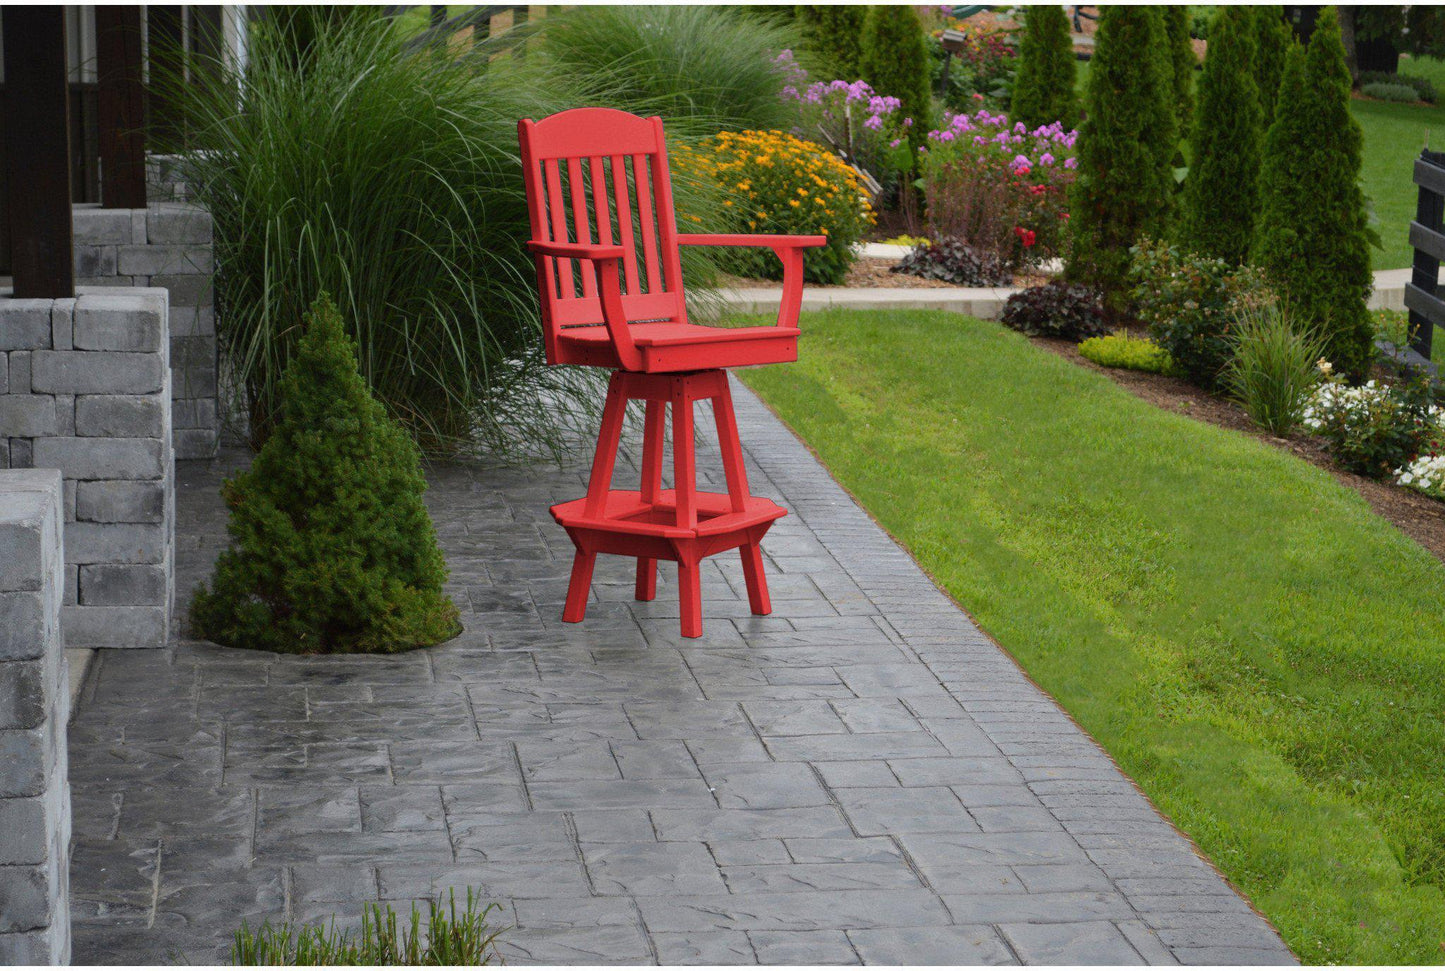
[862,776]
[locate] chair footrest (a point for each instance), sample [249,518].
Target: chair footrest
[625,512]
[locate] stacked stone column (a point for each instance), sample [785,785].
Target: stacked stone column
[34,709]
[87,390]
[166,245]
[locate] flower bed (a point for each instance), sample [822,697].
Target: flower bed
[1001,186]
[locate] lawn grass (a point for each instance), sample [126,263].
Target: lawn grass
[1254,645]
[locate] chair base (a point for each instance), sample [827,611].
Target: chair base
[630,526]
[679,524]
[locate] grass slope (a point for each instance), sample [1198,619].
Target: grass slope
[1257,648]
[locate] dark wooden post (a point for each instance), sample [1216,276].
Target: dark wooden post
[121,107]
[166,30]
[37,151]
[1429,244]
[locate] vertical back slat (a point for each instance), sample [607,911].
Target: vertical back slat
[558,211]
[667,220]
[624,222]
[642,174]
[579,220]
[599,200]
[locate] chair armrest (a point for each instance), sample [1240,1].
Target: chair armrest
[750,239]
[605,260]
[789,249]
[576,251]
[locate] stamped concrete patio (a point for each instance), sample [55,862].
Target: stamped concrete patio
[861,777]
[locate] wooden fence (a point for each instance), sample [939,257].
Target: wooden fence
[1427,236]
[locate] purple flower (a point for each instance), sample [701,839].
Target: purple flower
[1070,163]
[1046,159]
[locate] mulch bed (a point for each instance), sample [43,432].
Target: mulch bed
[1415,515]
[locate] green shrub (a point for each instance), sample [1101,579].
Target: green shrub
[332,547]
[1274,368]
[1373,429]
[1056,309]
[1131,353]
[1126,145]
[834,34]
[951,260]
[1390,92]
[1043,89]
[712,65]
[1423,87]
[1182,64]
[448,938]
[1221,192]
[1190,303]
[1272,39]
[895,62]
[1312,232]
[779,183]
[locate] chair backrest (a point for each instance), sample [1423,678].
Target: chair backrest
[598,175]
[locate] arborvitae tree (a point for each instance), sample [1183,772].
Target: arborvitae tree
[1312,233]
[1182,63]
[1043,90]
[332,549]
[1221,192]
[835,34]
[1125,181]
[1272,38]
[895,62]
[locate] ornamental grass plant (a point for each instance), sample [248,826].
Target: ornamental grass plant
[1274,368]
[444,937]
[332,549]
[389,177]
[701,68]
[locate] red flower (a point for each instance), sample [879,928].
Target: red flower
[1026,236]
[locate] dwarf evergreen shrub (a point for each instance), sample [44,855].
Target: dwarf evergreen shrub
[1126,145]
[1043,90]
[835,34]
[1423,88]
[1272,40]
[1221,192]
[1402,93]
[1130,353]
[895,62]
[1312,232]
[1182,63]
[332,549]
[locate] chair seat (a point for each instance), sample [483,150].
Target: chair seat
[684,347]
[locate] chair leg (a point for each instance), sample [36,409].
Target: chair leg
[732,449]
[689,585]
[608,438]
[684,473]
[757,583]
[579,587]
[653,428]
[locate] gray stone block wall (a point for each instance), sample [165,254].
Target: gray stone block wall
[34,710]
[86,389]
[168,244]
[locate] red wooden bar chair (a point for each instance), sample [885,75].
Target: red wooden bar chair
[605,240]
